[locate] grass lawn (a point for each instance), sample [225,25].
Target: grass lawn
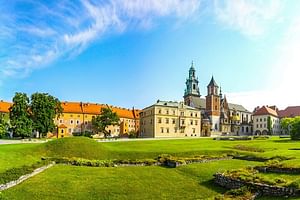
[189,182]
[69,182]
[16,155]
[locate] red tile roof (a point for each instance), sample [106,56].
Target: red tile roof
[265,111]
[85,108]
[62,126]
[4,106]
[291,111]
[95,109]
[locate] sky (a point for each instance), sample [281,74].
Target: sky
[130,53]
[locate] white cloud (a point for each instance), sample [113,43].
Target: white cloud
[42,32]
[285,75]
[250,17]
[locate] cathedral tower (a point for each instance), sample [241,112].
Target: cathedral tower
[192,89]
[213,104]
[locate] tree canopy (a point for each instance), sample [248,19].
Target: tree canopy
[291,126]
[44,109]
[4,125]
[105,119]
[20,118]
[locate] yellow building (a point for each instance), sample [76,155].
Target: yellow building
[170,119]
[77,118]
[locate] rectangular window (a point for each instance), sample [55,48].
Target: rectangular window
[159,120]
[265,119]
[167,120]
[161,129]
[159,111]
[196,122]
[256,125]
[173,121]
[173,112]
[181,113]
[167,112]
[194,130]
[192,122]
[175,130]
[167,129]
[191,114]
[261,126]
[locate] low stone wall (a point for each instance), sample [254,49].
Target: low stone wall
[264,189]
[174,164]
[24,177]
[278,170]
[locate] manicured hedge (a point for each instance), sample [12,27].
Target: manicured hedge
[15,173]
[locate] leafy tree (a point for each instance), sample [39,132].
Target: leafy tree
[44,109]
[295,129]
[269,124]
[4,125]
[20,118]
[285,124]
[105,119]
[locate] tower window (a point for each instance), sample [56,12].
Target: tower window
[194,86]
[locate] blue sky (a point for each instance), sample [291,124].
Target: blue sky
[133,52]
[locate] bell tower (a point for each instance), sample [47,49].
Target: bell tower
[192,89]
[213,103]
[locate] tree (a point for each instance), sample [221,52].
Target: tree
[4,125]
[20,119]
[269,125]
[105,119]
[44,109]
[285,124]
[295,129]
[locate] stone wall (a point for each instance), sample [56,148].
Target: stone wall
[174,164]
[278,170]
[24,177]
[264,189]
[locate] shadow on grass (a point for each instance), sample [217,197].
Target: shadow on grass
[286,141]
[210,184]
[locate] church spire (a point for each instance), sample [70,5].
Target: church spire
[192,87]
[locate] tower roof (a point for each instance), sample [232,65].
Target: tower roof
[213,82]
[192,66]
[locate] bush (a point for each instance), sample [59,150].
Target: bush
[15,173]
[295,184]
[248,148]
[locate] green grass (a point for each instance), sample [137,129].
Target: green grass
[186,182]
[17,155]
[190,182]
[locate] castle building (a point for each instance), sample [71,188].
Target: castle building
[170,119]
[266,121]
[77,118]
[218,116]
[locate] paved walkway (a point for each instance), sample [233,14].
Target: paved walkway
[145,139]
[21,141]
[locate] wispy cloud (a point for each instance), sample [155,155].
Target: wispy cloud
[251,17]
[284,76]
[37,33]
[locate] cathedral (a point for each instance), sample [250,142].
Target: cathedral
[218,116]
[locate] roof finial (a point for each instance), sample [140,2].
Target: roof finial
[192,65]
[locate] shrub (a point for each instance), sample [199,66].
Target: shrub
[15,173]
[295,184]
[248,148]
